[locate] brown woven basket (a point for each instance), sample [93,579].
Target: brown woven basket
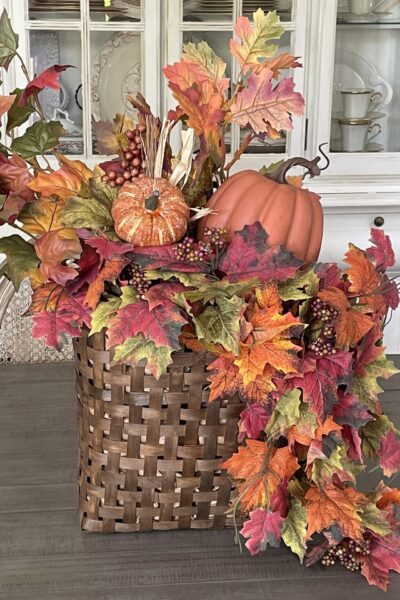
[150,450]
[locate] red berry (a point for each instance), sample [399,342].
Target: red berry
[111,174]
[105,179]
[135,172]
[141,175]
[136,162]
[130,135]
[144,164]
[113,184]
[137,139]
[136,152]
[132,146]
[120,180]
[124,164]
[126,175]
[128,156]
[141,128]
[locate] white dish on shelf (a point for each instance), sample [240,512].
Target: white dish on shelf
[116,74]
[353,18]
[371,147]
[371,115]
[354,71]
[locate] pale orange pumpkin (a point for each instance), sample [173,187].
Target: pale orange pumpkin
[292,216]
[150,212]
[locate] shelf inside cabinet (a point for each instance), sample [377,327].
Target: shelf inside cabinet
[341,25]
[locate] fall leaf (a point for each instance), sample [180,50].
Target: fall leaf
[332,505]
[14,176]
[375,520]
[52,249]
[366,282]
[109,272]
[278,63]
[372,434]
[350,411]
[249,255]
[221,324]
[208,64]
[109,138]
[86,212]
[65,182]
[353,440]
[365,384]
[390,496]
[285,415]
[262,528]
[259,104]
[5,103]
[381,253]
[8,41]
[160,325]
[224,378]
[162,294]
[47,79]
[164,257]
[103,313]
[352,324]
[389,453]
[88,267]
[252,46]
[253,420]
[46,298]
[41,216]
[21,258]
[11,207]
[185,74]
[295,528]
[18,115]
[384,555]
[37,139]
[301,287]
[137,350]
[104,247]
[259,474]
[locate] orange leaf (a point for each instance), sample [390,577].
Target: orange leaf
[259,475]
[43,215]
[53,248]
[112,269]
[390,497]
[332,505]
[224,381]
[45,298]
[6,103]
[259,389]
[364,278]
[352,324]
[278,63]
[65,182]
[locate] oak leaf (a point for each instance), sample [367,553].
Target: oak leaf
[208,64]
[295,528]
[262,528]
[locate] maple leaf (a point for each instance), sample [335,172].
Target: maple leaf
[6,103]
[279,501]
[52,249]
[367,371]
[253,420]
[109,272]
[259,473]
[384,555]
[249,255]
[110,137]
[11,207]
[66,316]
[381,253]
[262,528]
[208,64]
[260,105]
[15,176]
[389,496]
[295,528]
[352,324]
[160,325]
[21,258]
[353,440]
[104,247]
[258,390]
[65,182]
[185,74]
[332,505]
[389,453]
[137,350]
[301,287]
[46,298]
[252,46]
[224,378]
[285,415]
[47,79]
[41,216]
[372,434]
[164,257]
[365,280]
[162,294]
[88,267]
[221,324]
[350,411]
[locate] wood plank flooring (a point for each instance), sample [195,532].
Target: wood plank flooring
[45,556]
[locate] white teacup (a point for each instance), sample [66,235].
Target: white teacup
[355,133]
[361,7]
[357,102]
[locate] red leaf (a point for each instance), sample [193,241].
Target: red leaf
[262,528]
[249,255]
[55,247]
[329,275]
[389,453]
[67,317]
[109,272]
[14,176]
[369,350]
[11,208]
[162,326]
[162,294]
[104,247]
[353,440]
[350,411]
[384,556]
[48,78]
[253,420]
[88,268]
[392,297]
[6,103]
[381,253]
[163,257]
[279,501]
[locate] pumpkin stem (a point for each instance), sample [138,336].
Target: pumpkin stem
[151,203]
[311,166]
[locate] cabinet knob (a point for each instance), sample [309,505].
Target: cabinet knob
[379,221]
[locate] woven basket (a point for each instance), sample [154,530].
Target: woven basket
[150,450]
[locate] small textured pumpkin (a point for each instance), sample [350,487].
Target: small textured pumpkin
[150,212]
[291,216]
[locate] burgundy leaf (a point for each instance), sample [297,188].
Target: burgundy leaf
[253,420]
[353,440]
[104,247]
[262,528]
[88,268]
[162,294]
[349,411]
[163,257]
[389,453]
[384,556]
[279,501]
[381,253]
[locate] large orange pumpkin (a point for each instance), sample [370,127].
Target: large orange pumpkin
[150,212]
[292,216]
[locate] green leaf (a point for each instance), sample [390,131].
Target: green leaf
[129,295]
[86,212]
[199,185]
[366,386]
[21,258]
[104,193]
[137,350]
[324,469]
[374,519]
[17,115]
[302,287]
[295,528]
[8,41]
[286,413]
[220,324]
[187,279]
[38,139]
[103,313]
[220,289]
[372,434]
[271,168]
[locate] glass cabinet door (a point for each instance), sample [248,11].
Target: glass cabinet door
[213,21]
[110,44]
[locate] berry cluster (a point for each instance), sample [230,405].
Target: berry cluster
[348,553]
[216,236]
[323,347]
[322,311]
[132,164]
[188,250]
[136,276]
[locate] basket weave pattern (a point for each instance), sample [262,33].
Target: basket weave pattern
[150,449]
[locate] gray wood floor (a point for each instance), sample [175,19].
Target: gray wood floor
[44,555]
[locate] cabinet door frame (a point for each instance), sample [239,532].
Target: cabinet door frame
[149,28]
